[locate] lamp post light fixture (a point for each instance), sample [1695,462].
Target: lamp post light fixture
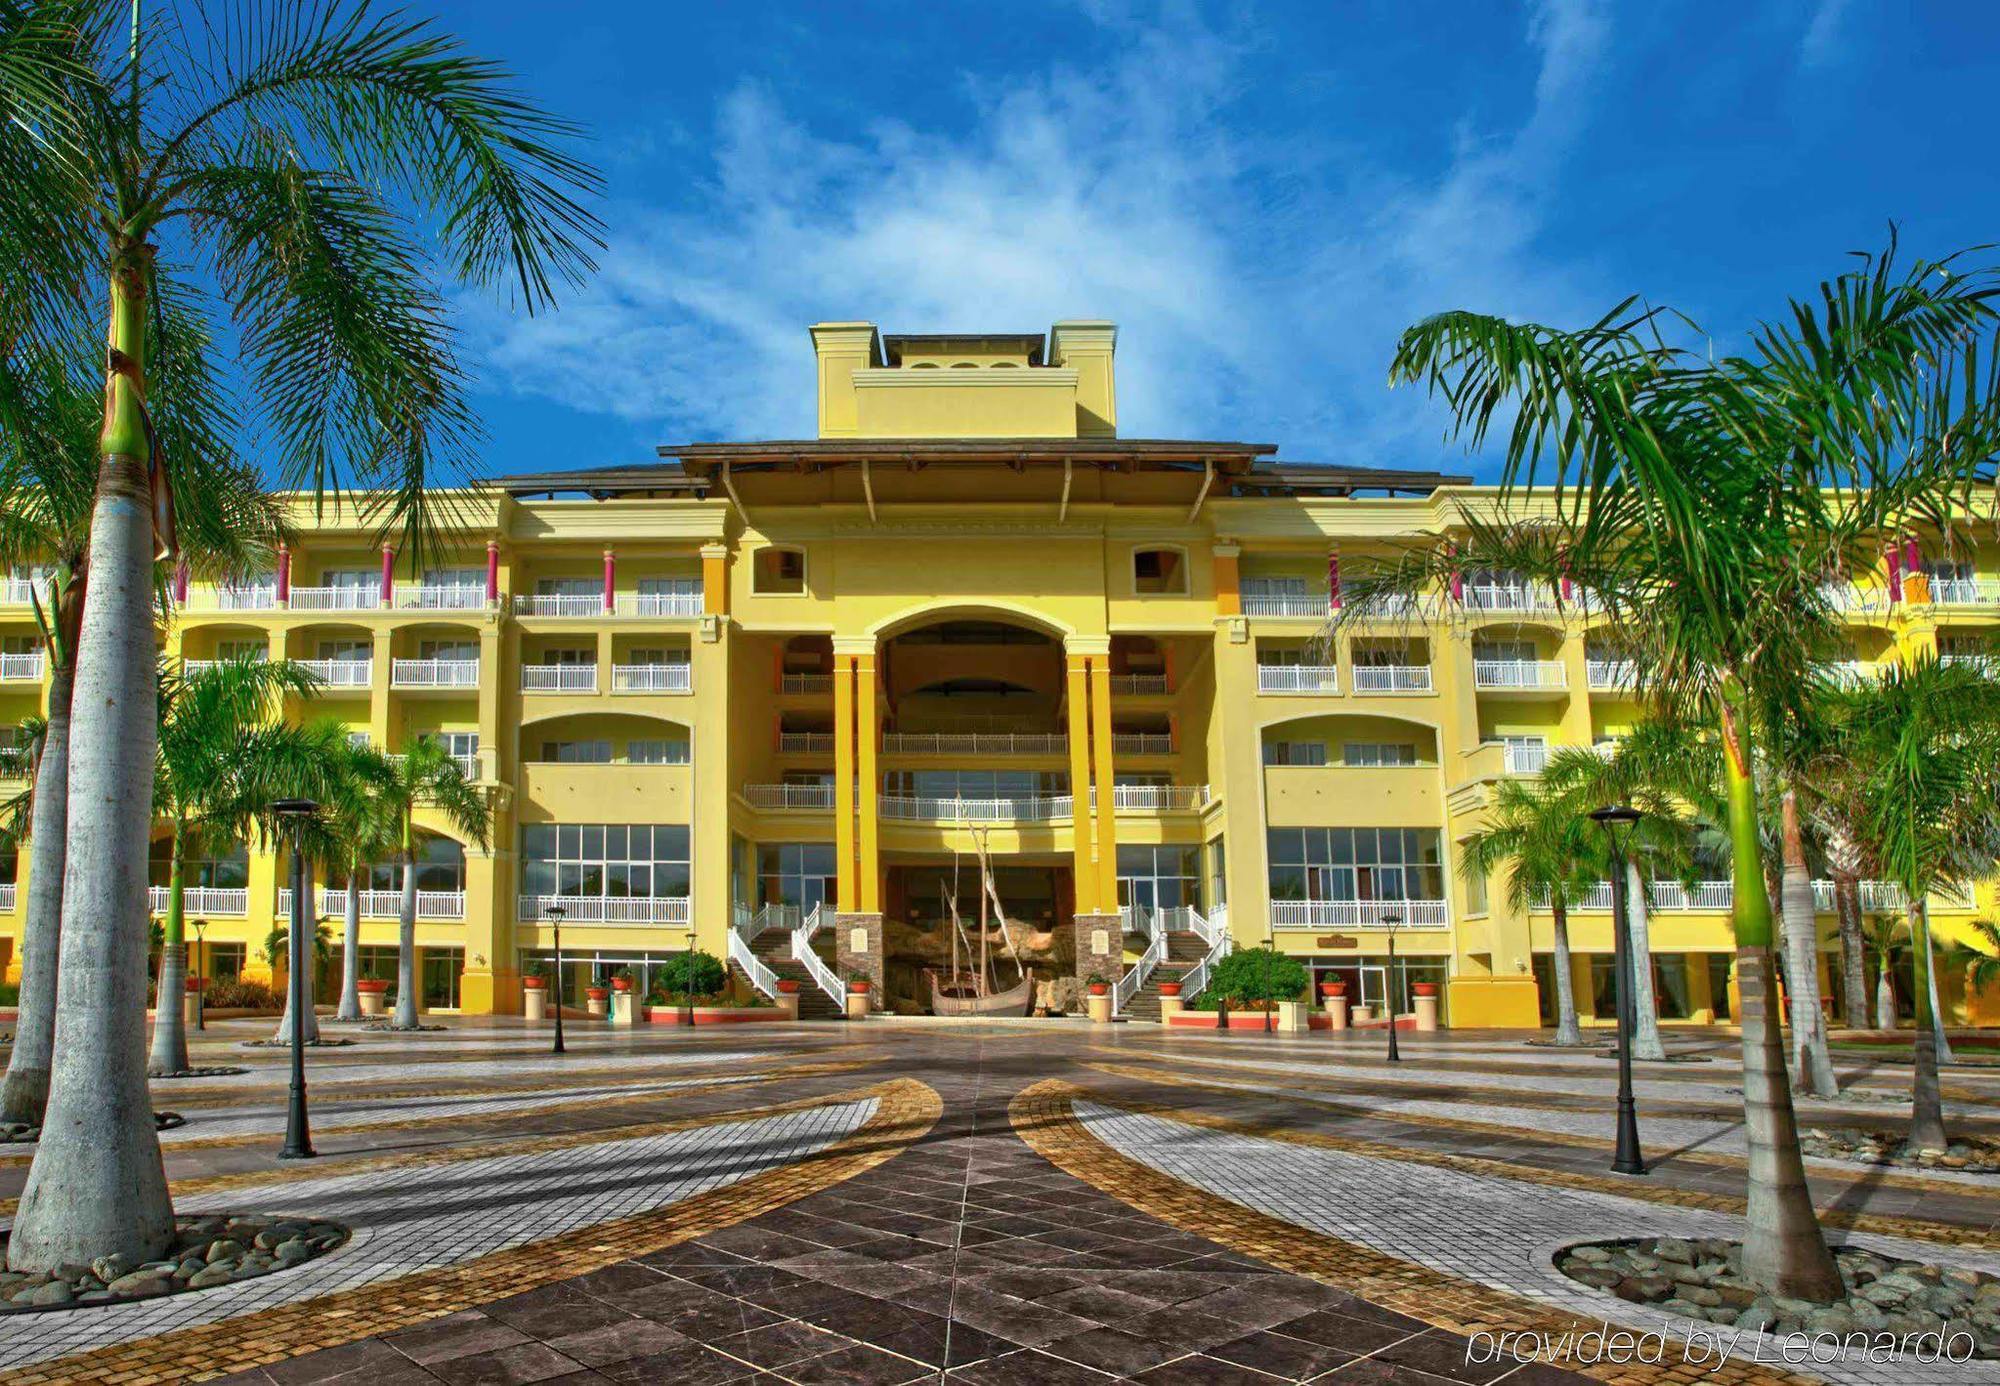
[1617,820]
[687,985]
[1389,923]
[555,915]
[201,992]
[295,814]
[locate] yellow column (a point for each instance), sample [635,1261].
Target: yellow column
[1079,782]
[847,897]
[715,579]
[866,738]
[1228,580]
[378,691]
[1107,835]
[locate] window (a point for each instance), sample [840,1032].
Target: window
[573,655]
[656,751]
[460,578]
[242,649]
[799,874]
[358,740]
[656,655]
[577,752]
[779,572]
[352,580]
[570,587]
[1504,651]
[460,745]
[1355,864]
[219,962]
[1158,878]
[975,784]
[456,650]
[346,651]
[440,866]
[228,869]
[600,860]
[1218,875]
[1376,753]
[1294,753]
[1158,570]
[440,978]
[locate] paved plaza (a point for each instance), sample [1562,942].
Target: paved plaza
[978,1202]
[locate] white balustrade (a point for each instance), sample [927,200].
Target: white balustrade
[805,743]
[605,909]
[811,797]
[1606,675]
[1965,591]
[335,599]
[683,603]
[434,673]
[929,809]
[803,954]
[7,899]
[652,678]
[1142,743]
[1298,678]
[1307,605]
[1162,798]
[1213,931]
[341,673]
[1519,674]
[1392,678]
[1360,914]
[23,667]
[441,597]
[257,597]
[202,900]
[20,592]
[560,604]
[558,678]
[972,743]
[805,683]
[1525,757]
[1138,685]
[380,904]
[1508,596]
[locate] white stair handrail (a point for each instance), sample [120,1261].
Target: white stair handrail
[803,954]
[1128,986]
[1214,931]
[761,977]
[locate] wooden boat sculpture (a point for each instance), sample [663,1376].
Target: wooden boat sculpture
[963,992]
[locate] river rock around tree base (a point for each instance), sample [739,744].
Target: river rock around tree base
[287,1044]
[1702,1279]
[20,1132]
[225,1071]
[1893,1148]
[207,1251]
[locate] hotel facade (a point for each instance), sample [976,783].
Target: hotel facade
[775,699]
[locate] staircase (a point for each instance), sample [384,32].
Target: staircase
[774,948]
[1185,948]
[760,948]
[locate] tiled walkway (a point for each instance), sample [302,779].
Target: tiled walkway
[879,1204]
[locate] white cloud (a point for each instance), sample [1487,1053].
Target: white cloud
[1259,280]
[1822,36]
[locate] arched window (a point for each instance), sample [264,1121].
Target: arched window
[778,572]
[1158,571]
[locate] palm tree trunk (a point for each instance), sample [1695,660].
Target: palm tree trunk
[1646,1042]
[1885,995]
[170,1050]
[1784,1251]
[1927,1112]
[406,947]
[1809,1052]
[97,1187]
[350,952]
[1568,1032]
[310,984]
[1944,1053]
[1845,868]
[25,1093]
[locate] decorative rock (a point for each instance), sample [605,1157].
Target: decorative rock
[224,1250]
[209,1277]
[140,1285]
[292,1252]
[55,1292]
[208,1251]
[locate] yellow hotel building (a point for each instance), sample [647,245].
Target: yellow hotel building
[779,695]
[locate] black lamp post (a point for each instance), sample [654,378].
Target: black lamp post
[1617,821]
[687,985]
[201,992]
[295,814]
[1270,946]
[555,914]
[1389,923]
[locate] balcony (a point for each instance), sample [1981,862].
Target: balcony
[658,603]
[259,597]
[805,683]
[604,909]
[1965,591]
[795,798]
[629,604]
[335,599]
[805,743]
[341,673]
[1053,808]
[560,604]
[467,765]
[1360,914]
[1156,798]
[202,900]
[652,678]
[16,762]
[434,673]
[1611,675]
[1508,597]
[969,743]
[18,591]
[438,597]
[1986,663]
[1286,605]
[1850,673]
[558,678]
[1524,758]
[7,898]
[1519,675]
[381,904]
[21,668]
[1392,678]
[1138,685]
[1298,678]
[1142,743]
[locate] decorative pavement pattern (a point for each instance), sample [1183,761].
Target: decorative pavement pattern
[983,1202]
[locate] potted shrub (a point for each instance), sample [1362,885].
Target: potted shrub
[621,981]
[1170,984]
[597,993]
[374,994]
[1333,988]
[1424,988]
[858,986]
[1098,986]
[534,981]
[788,986]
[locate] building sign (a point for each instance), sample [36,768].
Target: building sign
[1336,941]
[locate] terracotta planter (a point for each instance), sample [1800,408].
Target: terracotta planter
[788,986]
[858,988]
[371,986]
[1333,988]
[535,983]
[621,984]
[1424,988]
[373,993]
[196,984]
[1170,988]
[1100,988]
[597,993]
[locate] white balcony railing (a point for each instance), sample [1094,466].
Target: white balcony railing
[604,909]
[202,900]
[973,743]
[1508,596]
[1156,798]
[341,673]
[380,904]
[1142,743]
[1308,605]
[434,673]
[7,899]
[809,797]
[16,591]
[926,809]
[1524,758]
[1519,674]
[1298,678]
[467,765]
[559,604]
[658,603]
[259,597]
[1965,591]
[1392,678]
[1138,685]
[21,667]
[805,683]
[1986,662]
[805,743]
[1850,673]
[1675,897]
[441,597]
[1360,914]
[558,678]
[652,678]
[335,599]
[1611,675]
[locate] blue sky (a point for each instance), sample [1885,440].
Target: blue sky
[1261,195]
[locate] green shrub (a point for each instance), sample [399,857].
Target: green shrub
[700,973]
[10,995]
[237,994]
[1257,974]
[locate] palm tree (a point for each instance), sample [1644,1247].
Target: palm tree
[1701,502]
[1919,751]
[49,417]
[1887,937]
[277,945]
[1978,961]
[356,825]
[311,174]
[1548,852]
[220,765]
[425,776]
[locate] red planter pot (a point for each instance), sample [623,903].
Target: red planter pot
[1170,988]
[621,984]
[1424,988]
[196,983]
[788,986]
[372,985]
[1333,988]
[858,988]
[535,983]
[1100,988]
[597,993]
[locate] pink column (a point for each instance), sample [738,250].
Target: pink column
[388,575]
[492,572]
[1895,558]
[284,576]
[181,582]
[610,581]
[1333,580]
[1913,556]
